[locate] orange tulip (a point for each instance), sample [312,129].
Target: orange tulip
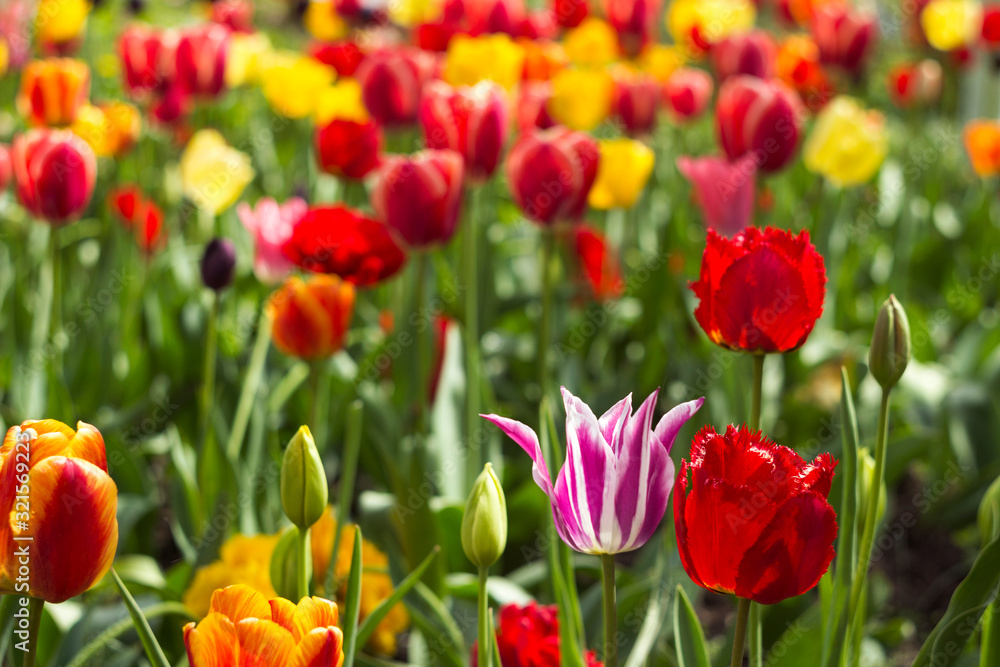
[245,628]
[62,504]
[311,317]
[53,90]
[982,141]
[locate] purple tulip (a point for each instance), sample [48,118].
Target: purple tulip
[612,491]
[723,190]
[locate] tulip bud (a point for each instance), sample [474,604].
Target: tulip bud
[687,93]
[285,564]
[303,481]
[890,349]
[218,264]
[484,523]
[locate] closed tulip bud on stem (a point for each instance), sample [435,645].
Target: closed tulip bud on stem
[890,349]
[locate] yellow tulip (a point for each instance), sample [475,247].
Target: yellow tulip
[581,98]
[323,22]
[951,24]
[246,58]
[411,13]
[292,83]
[60,21]
[110,129]
[213,174]
[490,57]
[714,19]
[4,56]
[622,173]
[594,43]
[847,144]
[242,560]
[341,101]
[661,61]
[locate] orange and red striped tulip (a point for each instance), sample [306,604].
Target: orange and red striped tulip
[53,90]
[311,317]
[69,513]
[245,628]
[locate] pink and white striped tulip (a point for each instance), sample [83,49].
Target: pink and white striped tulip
[613,489]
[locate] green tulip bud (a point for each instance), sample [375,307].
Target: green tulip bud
[303,481]
[484,523]
[285,565]
[890,350]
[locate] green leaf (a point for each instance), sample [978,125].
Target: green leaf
[348,471]
[352,602]
[153,650]
[688,635]
[112,633]
[493,636]
[382,610]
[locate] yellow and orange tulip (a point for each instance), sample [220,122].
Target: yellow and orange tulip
[311,317]
[69,512]
[111,129]
[245,628]
[982,142]
[53,91]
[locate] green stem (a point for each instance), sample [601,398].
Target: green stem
[424,324]
[303,557]
[610,611]
[472,367]
[755,636]
[55,322]
[753,623]
[35,606]
[250,386]
[208,371]
[485,644]
[740,634]
[544,334]
[871,511]
[349,468]
[758,390]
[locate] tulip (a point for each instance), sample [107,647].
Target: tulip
[570,13]
[598,263]
[759,117]
[982,143]
[138,214]
[311,317]
[472,121]
[271,225]
[950,25]
[625,167]
[349,149]
[200,59]
[593,43]
[890,349]
[53,91]
[752,517]
[59,24]
[991,27]
[55,172]
[845,36]
[761,291]
[6,168]
[687,93]
[752,54]
[532,106]
[435,36]
[344,56]
[542,59]
[799,67]
[581,98]
[634,21]
[550,173]
[73,503]
[473,59]
[635,102]
[724,190]
[243,628]
[392,82]
[612,491]
[343,242]
[323,20]
[304,489]
[661,61]
[237,15]
[16,18]
[213,174]
[218,264]
[484,520]
[919,84]
[539,24]
[528,636]
[293,84]
[698,24]
[847,144]
[147,57]
[111,130]
[497,16]
[420,195]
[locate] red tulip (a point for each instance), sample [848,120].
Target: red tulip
[342,241]
[759,117]
[420,195]
[598,263]
[761,291]
[532,107]
[570,13]
[539,24]
[140,215]
[635,103]
[752,517]
[687,93]
[6,168]
[472,121]
[723,190]
[349,149]
[345,57]
[753,53]
[528,636]
[915,84]
[435,37]
[146,54]
[491,16]
[634,21]
[200,59]
[392,83]
[550,173]
[991,27]
[55,171]
[846,36]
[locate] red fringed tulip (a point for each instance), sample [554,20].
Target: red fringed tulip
[200,59]
[310,318]
[53,91]
[348,148]
[724,190]
[55,172]
[472,121]
[752,53]
[635,102]
[245,628]
[341,241]
[761,291]
[613,489]
[845,36]
[550,173]
[598,263]
[752,517]
[392,82]
[420,196]
[687,93]
[762,118]
[634,21]
[528,636]
[70,513]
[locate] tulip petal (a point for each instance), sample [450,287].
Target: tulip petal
[240,601]
[613,421]
[639,506]
[323,647]
[263,642]
[671,423]
[283,611]
[212,643]
[528,441]
[312,613]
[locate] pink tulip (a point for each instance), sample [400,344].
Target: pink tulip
[723,190]
[687,93]
[272,226]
